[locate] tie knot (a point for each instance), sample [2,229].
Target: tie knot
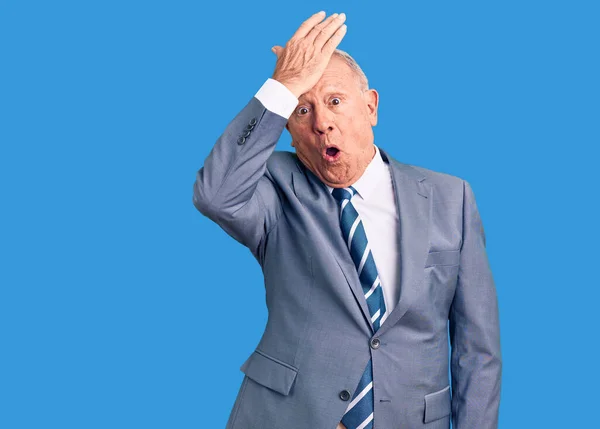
[342,194]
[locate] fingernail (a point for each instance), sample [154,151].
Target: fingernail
[334,15]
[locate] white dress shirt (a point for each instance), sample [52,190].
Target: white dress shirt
[375,201]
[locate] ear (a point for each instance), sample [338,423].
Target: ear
[287,127]
[372,101]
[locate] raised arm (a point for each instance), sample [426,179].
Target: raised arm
[234,187]
[476,363]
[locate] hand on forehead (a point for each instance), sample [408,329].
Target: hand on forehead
[303,60]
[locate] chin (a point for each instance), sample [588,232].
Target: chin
[335,181]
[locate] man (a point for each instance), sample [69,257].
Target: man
[366,260]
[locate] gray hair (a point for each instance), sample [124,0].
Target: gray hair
[351,62]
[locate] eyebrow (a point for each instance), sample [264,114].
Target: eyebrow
[329,92]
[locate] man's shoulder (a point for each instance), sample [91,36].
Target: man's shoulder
[283,161]
[437,177]
[444,184]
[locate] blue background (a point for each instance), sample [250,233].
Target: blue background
[123,307]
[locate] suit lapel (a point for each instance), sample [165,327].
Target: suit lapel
[317,199]
[413,205]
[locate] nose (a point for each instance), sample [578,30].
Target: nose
[323,120]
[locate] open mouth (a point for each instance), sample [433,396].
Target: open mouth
[332,153]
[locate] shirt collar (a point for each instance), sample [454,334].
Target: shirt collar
[374,172]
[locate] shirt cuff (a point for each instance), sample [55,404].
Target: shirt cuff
[277,98]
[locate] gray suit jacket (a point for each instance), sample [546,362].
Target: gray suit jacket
[317,340]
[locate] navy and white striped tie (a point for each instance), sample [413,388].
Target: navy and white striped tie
[359,414]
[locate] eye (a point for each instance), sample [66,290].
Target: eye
[302,111]
[335,101]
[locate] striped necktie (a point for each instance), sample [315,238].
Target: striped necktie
[359,414]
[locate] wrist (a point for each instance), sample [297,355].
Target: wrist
[294,89]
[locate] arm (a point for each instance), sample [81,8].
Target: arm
[476,363]
[234,188]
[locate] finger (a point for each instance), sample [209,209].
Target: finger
[325,34]
[307,25]
[318,29]
[277,50]
[334,40]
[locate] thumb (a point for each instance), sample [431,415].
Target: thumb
[276,50]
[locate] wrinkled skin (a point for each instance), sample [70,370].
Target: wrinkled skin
[335,113]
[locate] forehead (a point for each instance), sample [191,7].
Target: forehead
[338,76]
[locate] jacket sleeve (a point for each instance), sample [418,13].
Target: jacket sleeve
[234,187]
[476,364]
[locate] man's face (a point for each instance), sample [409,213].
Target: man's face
[331,127]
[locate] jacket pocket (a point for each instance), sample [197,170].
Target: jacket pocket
[270,372]
[437,405]
[445,257]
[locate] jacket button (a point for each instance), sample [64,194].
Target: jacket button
[249,127]
[375,343]
[241,140]
[253,121]
[246,133]
[344,395]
